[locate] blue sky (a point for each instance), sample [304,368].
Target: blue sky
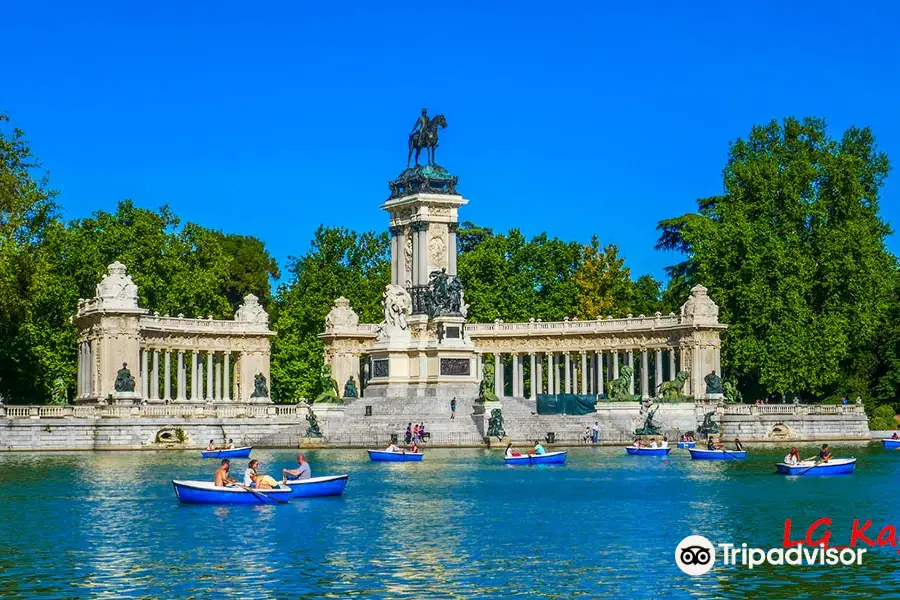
[268,119]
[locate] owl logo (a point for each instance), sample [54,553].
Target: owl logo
[695,555]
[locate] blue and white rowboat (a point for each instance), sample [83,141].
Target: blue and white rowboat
[889,443]
[647,451]
[206,492]
[402,456]
[550,458]
[232,453]
[835,466]
[315,487]
[684,445]
[700,454]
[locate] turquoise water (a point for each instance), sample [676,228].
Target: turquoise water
[459,524]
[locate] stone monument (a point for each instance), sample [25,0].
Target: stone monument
[421,344]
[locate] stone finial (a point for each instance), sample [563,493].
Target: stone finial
[251,311]
[699,308]
[342,316]
[116,289]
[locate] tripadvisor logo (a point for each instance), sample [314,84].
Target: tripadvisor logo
[695,555]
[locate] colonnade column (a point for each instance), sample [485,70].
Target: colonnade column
[226,387]
[514,368]
[451,249]
[145,375]
[539,374]
[631,364]
[498,375]
[209,375]
[195,375]
[180,385]
[167,388]
[672,364]
[550,375]
[659,371]
[534,375]
[217,384]
[645,367]
[568,372]
[395,255]
[599,373]
[584,389]
[615,358]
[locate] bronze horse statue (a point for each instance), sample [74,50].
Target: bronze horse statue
[426,138]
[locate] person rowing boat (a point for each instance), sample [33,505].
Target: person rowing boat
[221,478]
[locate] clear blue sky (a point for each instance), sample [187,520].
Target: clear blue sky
[269,118]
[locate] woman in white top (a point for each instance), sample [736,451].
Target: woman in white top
[509,451]
[793,458]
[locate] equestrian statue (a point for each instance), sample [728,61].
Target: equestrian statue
[424,134]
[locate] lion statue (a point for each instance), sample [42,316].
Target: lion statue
[619,388]
[671,390]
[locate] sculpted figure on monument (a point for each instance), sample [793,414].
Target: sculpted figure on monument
[620,386]
[650,427]
[708,426]
[671,390]
[350,389]
[313,430]
[330,391]
[124,380]
[59,394]
[444,295]
[486,389]
[495,425]
[713,383]
[424,134]
[732,394]
[397,305]
[260,386]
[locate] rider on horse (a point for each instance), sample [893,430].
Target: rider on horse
[421,129]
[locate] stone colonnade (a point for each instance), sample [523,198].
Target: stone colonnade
[526,374]
[189,375]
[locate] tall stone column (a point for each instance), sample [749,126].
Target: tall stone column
[195,376]
[599,373]
[226,386]
[218,380]
[568,370]
[145,375]
[423,252]
[514,377]
[718,360]
[534,376]
[154,382]
[209,376]
[395,256]
[631,364]
[539,374]
[200,393]
[167,388]
[615,358]
[414,229]
[658,379]
[584,373]
[498,375]
[549,357]
[672,372]
[645,372]
[79,389]
[180,386]
[451,249]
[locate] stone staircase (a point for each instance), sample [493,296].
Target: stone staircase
[524,425]
[391,416]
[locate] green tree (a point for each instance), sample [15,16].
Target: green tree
[249,269]
[794,254]
[339,263]
[603,282]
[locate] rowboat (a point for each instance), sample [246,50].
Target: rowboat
[647,451]
[386,456]
[700,454]
[684,445]
[314,487]
[835,466]
[550,458]
[890,443]
[228,453]
[206,492]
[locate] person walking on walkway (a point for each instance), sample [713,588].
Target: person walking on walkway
[453,408]
[595,432]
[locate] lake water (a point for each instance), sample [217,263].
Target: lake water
[459,524]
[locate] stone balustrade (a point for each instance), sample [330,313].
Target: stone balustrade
[188,411]
[575,326]
[794,409]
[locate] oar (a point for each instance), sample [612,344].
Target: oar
[259,494]
[812,467]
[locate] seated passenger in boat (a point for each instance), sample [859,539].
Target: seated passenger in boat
[711,444]
[895,437]
[301,472]
[825,453]
[250,472]
[230,445]
[793,457]
[221,477]
[683,438]
[211,446]
[738,445]
[637,443]
[414,448]
[391,447]
[538,449]
[653,444]
[664,443]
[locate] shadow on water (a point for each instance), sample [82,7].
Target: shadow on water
[459,523]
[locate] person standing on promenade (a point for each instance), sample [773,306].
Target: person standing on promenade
[453,408]
[595,432]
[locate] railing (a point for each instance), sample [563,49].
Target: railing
[182,324]
[290,412]
[794,409]
[573,326]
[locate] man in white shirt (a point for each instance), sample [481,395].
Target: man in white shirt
[653,444]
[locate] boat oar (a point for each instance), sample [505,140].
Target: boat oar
[812,467]
[259,494]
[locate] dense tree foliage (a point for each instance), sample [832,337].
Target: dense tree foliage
[794,254]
